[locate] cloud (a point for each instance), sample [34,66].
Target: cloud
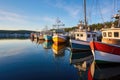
[11,16]
[106,10]
[72,9]
[11,50]
[48,19]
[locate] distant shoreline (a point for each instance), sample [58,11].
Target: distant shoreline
[15,33]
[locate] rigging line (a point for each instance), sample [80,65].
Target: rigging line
[113,8]
[85,14]
[116,5]
[96,8]
[99,7]
[90,11]
[82,10]
[118,2]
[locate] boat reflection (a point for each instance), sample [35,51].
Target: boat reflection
[35,40]
[77,57]
[32,39]
[58,50]
[82,61]
[47,44]
[40,41]
[96,71]
[110,71]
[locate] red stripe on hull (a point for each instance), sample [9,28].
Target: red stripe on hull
[89,75]
[111,49]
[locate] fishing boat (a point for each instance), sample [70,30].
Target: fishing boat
[47,44]
[40,37]
[59,35]
[109,49]
[47,34]
[32,35]
[48,37]
[83,35]
[35,35]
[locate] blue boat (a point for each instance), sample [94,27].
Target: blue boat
[78,45]
[47,45]
[83,35]
[48,37]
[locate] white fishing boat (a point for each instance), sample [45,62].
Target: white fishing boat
[83,35]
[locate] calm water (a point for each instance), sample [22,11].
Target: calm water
[38,60]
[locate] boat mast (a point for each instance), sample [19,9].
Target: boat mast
[85,14]
[58,23]
[119,19]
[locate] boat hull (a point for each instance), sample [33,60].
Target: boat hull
[77,45]
[47,37]
[58,39]
[40,37]
[105,52]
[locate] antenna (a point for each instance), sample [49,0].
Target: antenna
[85,14]
[119,18]
[58,23]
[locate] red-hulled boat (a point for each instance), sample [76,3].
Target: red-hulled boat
[109,49]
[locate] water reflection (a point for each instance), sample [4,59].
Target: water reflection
[33,63]
[88,69]
[47,44]
[9,47]
[58,50]
[35,40]
[81,56]
[23,58]
[107,71]
[83,61]
[40,41]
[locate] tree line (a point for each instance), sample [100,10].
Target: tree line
[97,26]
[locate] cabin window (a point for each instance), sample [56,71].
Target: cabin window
[88,35]
[77,34]
[104,34]
[116,34]
[109,34]
[93,35]
[81,35]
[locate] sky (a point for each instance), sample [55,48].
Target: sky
[37,14]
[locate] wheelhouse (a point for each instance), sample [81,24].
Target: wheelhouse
[85,36]
[111,33]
